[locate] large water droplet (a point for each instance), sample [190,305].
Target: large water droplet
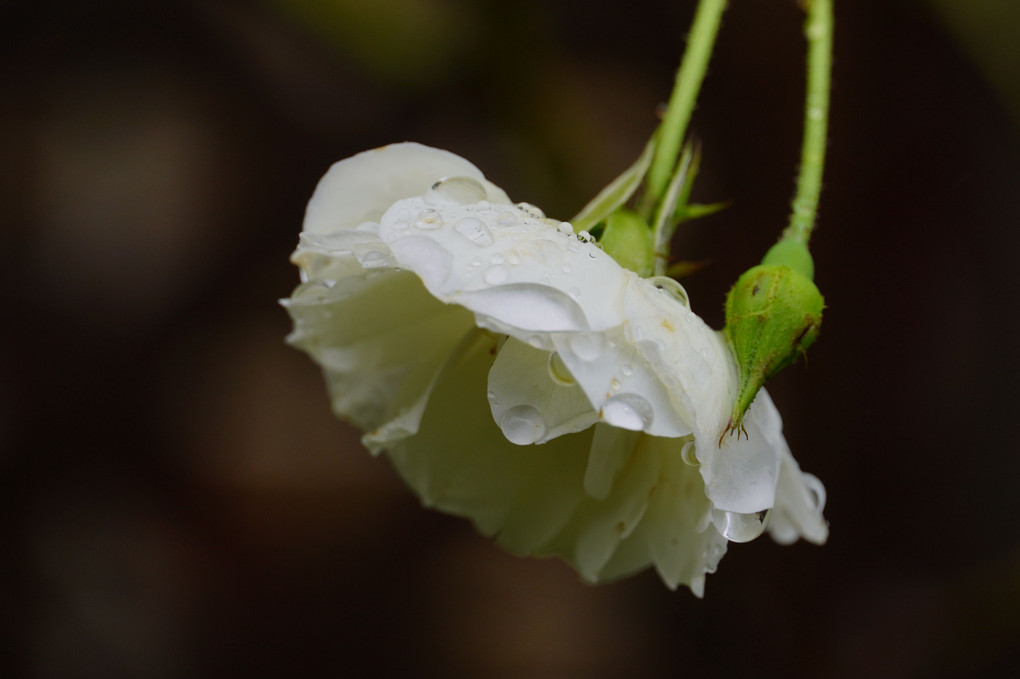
[671,288]
[522,425]
[741,527]
[689,454]
[455,191]
[588,346]
[566,228]
[628,411]
[495,275]
[506,219]
[559,372]
[475,231]
[374,258]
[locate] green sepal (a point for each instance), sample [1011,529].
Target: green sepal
[618,192]
[773,314]
[628,240]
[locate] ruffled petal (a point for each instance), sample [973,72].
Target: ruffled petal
[800,499]
[380,367]
[533,398]
[362,187]
[519,273]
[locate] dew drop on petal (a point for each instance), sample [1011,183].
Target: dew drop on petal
[587,346]
[531,210]
[559,372]
[741,527]
[566,228]
[374,258]
[628,411]
[474,230]
[495,275]
[575,292]
[506,219]
[671,288]
[522,425]
[455,191]
[689,454]
[428,220]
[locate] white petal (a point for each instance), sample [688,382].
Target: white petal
[520,274]
[675,533]
[362,187]
[460,462]
[800,499]
[379,337]
[530,401]
[741,475]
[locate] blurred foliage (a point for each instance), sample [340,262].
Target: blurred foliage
[412,43]
[987,29]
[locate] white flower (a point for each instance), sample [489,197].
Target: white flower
[457,329]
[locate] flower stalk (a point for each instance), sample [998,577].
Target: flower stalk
[818,31]
[689,77]
[774,310]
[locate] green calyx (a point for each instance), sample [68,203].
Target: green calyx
[773,314]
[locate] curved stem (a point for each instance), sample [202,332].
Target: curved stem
[685,93]
[818,31]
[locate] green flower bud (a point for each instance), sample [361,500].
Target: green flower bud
[628,240]
[773,314]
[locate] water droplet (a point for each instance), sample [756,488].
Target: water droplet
[374,258]
[614,384]
[474,230]
[584,237]
[575,293]
[566,228]
[531,210]
[628,411]
[671,288]
[495,275]
[815,489]
[559,372]
[587,346]
[491,396]
[455,191]
[535,341]
[506,219]
[741,527]
[428,219]
[566,268]
[689,454]
[522,425]
[627,370]
[513,258]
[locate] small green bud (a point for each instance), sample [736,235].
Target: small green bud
[773,314]
[628,240]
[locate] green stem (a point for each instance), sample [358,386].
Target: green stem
[818,30]
[685,93]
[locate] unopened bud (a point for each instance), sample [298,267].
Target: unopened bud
[773,314]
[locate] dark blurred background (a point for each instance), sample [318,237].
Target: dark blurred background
[179,501]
